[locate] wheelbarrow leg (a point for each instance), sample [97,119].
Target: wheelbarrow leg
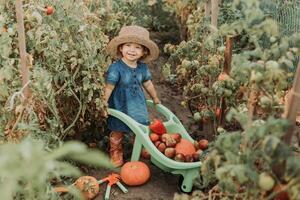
[188,179]
[136,151]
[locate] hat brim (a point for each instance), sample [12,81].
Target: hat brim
[112,47]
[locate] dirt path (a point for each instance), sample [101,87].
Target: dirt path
[162,185]
[168,96]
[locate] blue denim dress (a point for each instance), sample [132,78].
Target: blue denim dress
[127,96]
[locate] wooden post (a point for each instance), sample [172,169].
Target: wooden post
[293,104]
[207,8]
[228,54]
[214,13]
[290,113]
[22,47]
[252,102]
[109,5]
[185,11]
[226,69]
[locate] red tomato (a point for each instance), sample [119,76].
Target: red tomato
[218,113]
[145,154]
[223,76]
[154,137]
[203,144]
[158,127]
[49,10]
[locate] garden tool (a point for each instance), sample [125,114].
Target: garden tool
[87,185]
[112,179]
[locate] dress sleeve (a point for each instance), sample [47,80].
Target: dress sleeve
[147,74]
[112,74]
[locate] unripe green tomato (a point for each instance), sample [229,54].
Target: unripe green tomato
[220,130]
[265,181]
[272,39]
[204,90]
[271,64]
[221,49]
[283,47]
[227,93]
[276,98]
[195,63]
[183,103]
[265,102]
[256,77]
[290,55]
[197,116]
[276,53]
[197,87]
[261,63]
[186,63]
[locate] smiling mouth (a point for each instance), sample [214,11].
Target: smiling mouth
[131,54]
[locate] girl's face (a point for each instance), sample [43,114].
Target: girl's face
[132,52]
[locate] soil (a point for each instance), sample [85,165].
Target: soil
[162,185]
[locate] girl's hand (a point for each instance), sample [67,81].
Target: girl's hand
[156,100]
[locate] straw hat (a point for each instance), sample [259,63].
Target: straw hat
[135,34]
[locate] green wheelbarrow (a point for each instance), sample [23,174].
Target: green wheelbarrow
[189,171]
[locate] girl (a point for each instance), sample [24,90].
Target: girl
[125,81]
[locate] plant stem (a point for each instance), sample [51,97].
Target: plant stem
[17,121]
[22,46]
[77,115]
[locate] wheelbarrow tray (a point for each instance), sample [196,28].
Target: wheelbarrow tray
[189,171]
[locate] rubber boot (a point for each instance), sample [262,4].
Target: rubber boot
[116,151]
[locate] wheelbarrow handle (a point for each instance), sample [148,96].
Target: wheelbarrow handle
[106,197]
[103,180]
[61,189]
[122,187]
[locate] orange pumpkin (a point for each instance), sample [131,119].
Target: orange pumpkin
[88,186]
[185,147]
[135,173]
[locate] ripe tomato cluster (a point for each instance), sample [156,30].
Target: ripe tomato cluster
[173,146]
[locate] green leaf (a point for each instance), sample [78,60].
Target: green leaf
[37,16]
[64,47]
[240,172]
[293,167]
[93,157]
[86,83]
[63,169]
[4,91]
[67,149]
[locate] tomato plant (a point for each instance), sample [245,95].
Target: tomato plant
[67,62]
